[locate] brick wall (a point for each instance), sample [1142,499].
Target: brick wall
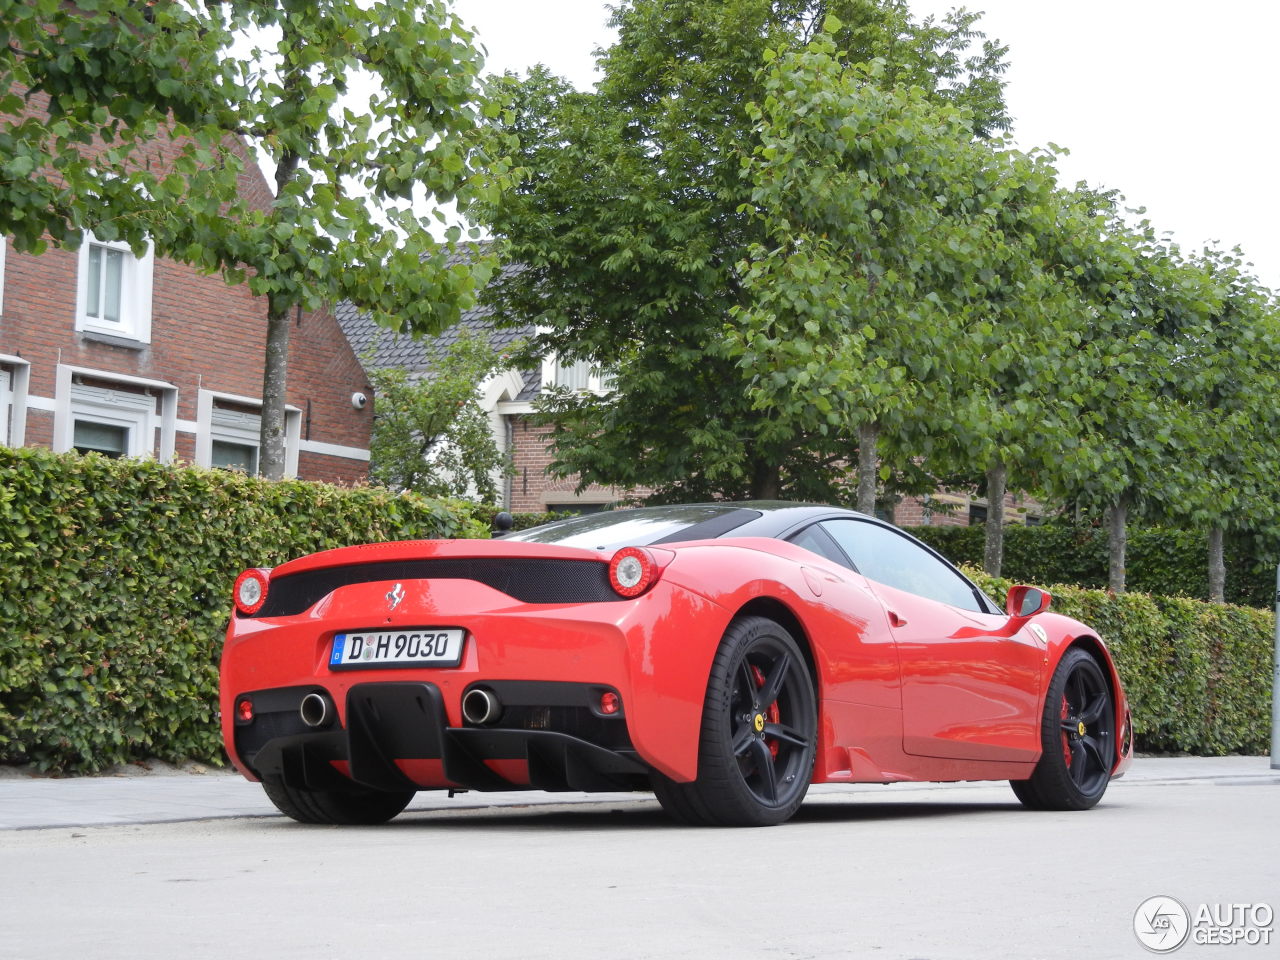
[204,335]
[532,488]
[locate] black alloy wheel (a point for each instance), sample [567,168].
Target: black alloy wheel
[1077,739]
[759,733]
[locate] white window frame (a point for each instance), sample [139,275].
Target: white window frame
[136,280]
[210,427]
[13,404]
[597,382]
[135,412]
[4,245]
[74,401]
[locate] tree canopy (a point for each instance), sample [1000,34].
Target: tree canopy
[359,109]
[632,220]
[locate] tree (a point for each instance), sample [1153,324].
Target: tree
[341,225]
[87,94]
[430,433]
[1138,438]
[1227,374]
[907,284]
[631,224]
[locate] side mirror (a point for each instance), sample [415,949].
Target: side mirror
[1026,601]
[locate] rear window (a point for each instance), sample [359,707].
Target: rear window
[640,527]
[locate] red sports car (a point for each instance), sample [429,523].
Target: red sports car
[722,655]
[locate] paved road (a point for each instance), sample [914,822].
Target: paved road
[909,871]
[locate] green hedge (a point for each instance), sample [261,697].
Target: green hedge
[116,591]
[1161,561]
[1198,675]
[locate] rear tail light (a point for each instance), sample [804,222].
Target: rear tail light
[250,591]
[632,571]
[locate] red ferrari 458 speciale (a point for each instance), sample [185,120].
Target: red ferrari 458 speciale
[722,655]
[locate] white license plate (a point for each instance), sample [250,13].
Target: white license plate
[414,647]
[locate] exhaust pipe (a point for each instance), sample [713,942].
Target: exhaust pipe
[480,707]
[316,710]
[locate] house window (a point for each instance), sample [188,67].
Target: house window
[574,374]
[113,293]
[234,438]
[108,439]
[115,421]
[977,514]
[229,429]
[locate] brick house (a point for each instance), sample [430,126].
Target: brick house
[508,398]
[141,356]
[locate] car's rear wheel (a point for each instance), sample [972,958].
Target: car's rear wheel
[759,733]
[357,805]
[1077,739]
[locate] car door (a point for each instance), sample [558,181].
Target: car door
[971,679]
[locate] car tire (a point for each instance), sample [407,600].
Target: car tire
[759,732]
[1077,739]
[358,805]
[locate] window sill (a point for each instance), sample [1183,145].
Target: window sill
[112,340]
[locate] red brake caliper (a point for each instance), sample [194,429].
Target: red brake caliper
[773,714]
[1066,744]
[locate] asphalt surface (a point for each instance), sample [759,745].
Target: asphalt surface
[134,868]
[35,803]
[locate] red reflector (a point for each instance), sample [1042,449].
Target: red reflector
[244,710]
[609,702]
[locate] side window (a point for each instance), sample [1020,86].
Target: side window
[812,538]
[888,557]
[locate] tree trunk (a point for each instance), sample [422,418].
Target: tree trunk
[1117,540]
[1217,566]
[271,458]
[993,551]
[766,480]
[868,468]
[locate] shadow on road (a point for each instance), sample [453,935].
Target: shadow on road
[646,814]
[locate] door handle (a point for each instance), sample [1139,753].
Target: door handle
[895,620]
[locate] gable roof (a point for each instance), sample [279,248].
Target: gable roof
[379,347]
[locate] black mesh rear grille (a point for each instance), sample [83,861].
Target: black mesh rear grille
[531,580]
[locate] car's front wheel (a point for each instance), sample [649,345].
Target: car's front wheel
[759,733]
[357,805]
[1077,739]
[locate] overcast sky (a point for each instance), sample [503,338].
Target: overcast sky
[1169,101]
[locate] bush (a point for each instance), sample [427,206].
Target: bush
[1198,675]
[1161,561]
[117,590]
